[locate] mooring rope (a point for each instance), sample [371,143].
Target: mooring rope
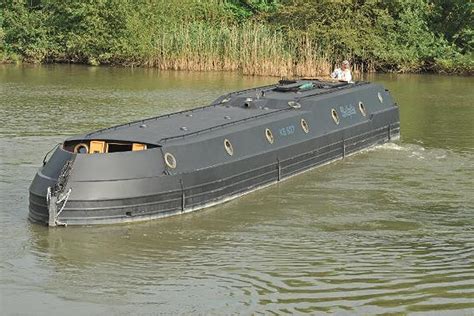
[64,198]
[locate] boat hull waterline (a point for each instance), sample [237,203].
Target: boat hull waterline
[185,161]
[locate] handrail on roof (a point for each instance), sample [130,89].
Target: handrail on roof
[250,89]
[150,119]
[174,113]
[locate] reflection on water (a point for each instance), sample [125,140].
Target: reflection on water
[389,230]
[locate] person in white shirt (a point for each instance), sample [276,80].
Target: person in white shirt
[343,73]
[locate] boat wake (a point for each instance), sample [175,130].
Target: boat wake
[417,151]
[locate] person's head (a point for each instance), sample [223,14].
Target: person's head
[345,64]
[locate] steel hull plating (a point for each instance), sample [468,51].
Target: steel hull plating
[147,193]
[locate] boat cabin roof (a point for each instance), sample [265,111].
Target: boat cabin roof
[234,108]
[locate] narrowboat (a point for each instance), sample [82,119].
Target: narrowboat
[181,162]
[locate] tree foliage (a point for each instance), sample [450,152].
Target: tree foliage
[390,35]
[402,35]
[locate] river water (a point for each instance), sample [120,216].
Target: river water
[389,230]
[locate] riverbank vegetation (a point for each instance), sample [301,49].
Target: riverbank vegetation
[259,37]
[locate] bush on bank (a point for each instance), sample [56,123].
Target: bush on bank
[261,37]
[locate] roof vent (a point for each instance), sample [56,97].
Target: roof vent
[248,103]
[294,105]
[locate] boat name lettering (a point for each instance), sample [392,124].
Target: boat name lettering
[347,110]
[286,131]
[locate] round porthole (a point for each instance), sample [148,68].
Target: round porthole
[294,105]
[304,126]
[379,95]
[170,160]
[362,109]
[228,147]
[335,116]
[81,148]
[269,136]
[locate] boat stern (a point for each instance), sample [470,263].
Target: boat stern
[83,183]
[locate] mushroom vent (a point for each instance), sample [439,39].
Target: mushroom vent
[249,103]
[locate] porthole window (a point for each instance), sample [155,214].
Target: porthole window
[269,136]
[228,147]
[170,160]
[335,116]
[294,105]
[81,148]
[362,109]
[379,95]
[304,126]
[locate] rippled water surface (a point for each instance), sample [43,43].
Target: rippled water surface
[390,230]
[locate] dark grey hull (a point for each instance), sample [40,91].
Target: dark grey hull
[185,161]
[208,187]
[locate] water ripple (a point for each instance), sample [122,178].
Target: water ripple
[386,231]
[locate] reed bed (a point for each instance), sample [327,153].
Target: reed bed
[253,49]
